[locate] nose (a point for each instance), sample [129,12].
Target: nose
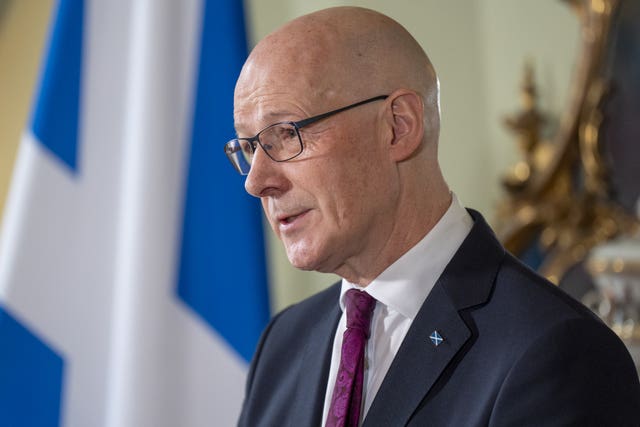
[265,177]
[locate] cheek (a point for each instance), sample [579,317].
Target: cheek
[342,190]
[353,199]
[364,181]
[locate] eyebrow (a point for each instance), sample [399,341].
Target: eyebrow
[275,116]
[268,119]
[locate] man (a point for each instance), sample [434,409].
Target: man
[445,328]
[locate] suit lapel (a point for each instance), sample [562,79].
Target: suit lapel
[466,281]
[312,382]
[419,362]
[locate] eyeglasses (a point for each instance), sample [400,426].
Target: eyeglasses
[280,141]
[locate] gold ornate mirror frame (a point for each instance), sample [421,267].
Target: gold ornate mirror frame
[558,196]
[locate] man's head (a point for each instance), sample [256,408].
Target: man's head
[367,185]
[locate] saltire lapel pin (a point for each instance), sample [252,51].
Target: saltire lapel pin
[436,338]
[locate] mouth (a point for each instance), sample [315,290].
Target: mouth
[287,220]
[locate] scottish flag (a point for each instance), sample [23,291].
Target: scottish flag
[132,273]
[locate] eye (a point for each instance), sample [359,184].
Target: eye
[290,132]
[249,147]
[284,132]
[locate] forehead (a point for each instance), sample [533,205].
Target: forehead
[257,110]
[262,99]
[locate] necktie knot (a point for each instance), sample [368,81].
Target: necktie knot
[359,306]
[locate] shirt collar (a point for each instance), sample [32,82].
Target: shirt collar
[405,284]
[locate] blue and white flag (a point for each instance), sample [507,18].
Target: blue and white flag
[132,272]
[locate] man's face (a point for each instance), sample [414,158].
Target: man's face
[331,205]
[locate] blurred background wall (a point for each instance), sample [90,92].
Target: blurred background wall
[23,27]
[479,48]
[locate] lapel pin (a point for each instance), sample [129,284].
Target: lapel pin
[436,338]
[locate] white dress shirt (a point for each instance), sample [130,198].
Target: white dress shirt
[400,291]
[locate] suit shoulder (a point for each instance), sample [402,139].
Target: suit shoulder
[315,305]
[524,307]
[584,366]
[528,291]
[305,315]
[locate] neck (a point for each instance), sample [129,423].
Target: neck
[410,225]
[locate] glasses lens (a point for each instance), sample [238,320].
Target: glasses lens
[281,141]
[240,153]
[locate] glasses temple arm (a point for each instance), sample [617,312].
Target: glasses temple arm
[319,117]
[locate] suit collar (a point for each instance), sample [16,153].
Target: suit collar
[466,281]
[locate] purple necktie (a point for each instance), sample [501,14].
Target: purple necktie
[346,401]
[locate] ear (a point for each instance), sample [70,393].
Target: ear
[407,121]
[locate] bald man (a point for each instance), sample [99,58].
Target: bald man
[433,323]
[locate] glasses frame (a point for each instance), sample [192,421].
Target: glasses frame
[254,141]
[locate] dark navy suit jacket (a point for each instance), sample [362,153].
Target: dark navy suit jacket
[517,351]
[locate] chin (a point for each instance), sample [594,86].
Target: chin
[304,260]
[302,264]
